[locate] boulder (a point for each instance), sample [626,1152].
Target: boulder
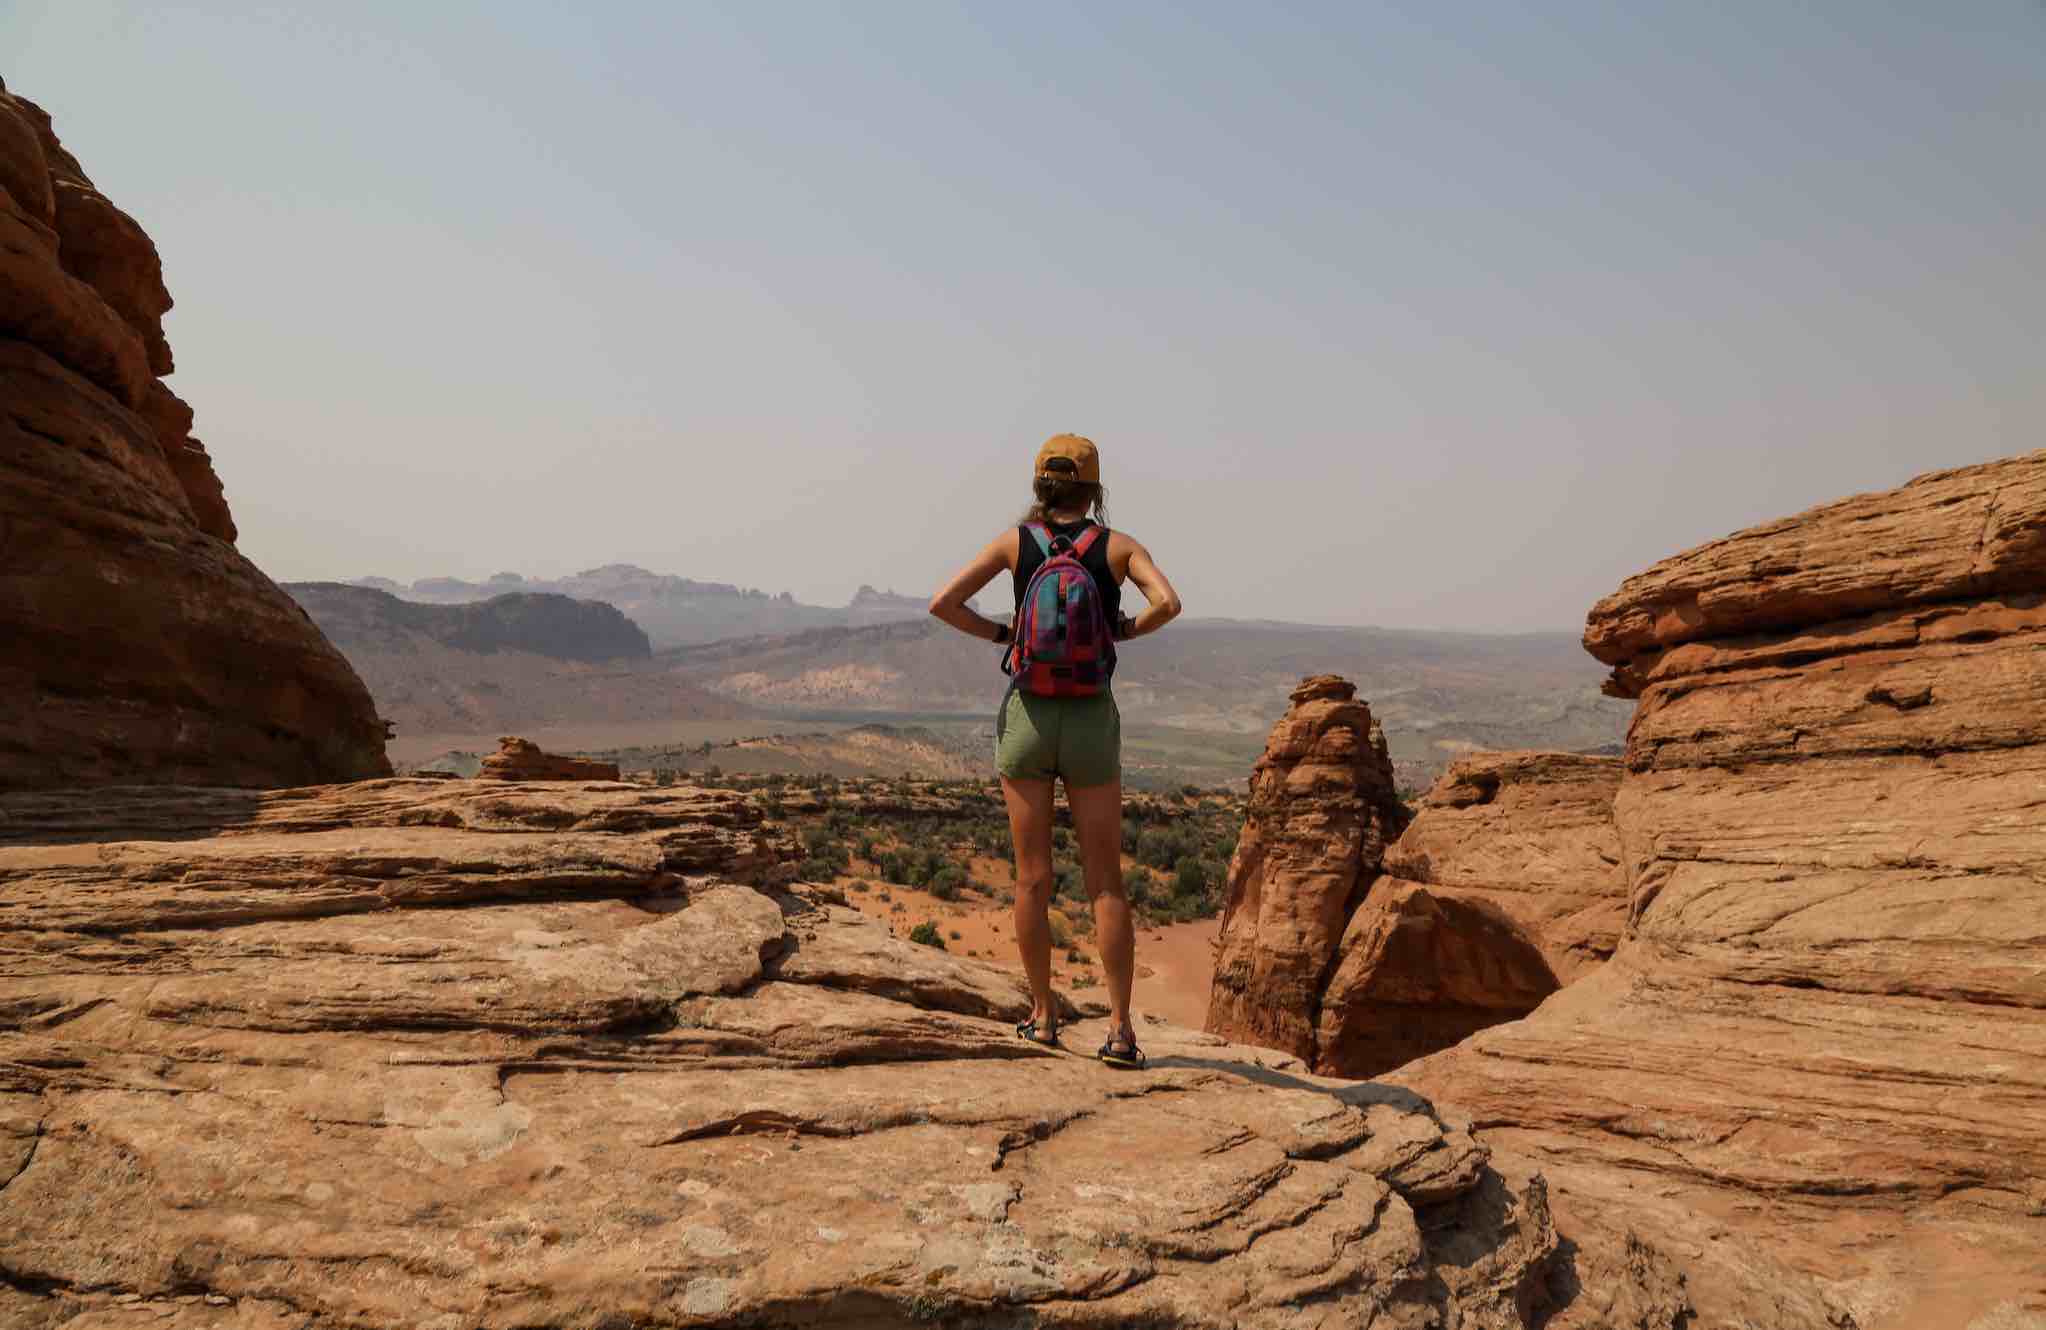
[1322,812]
[1813,1076]
[521,759]
[136,644]
[1418,971]
[432,1052]
[1531,835]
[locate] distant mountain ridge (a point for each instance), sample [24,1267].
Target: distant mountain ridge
[543,623]
[517,662]
[673,611]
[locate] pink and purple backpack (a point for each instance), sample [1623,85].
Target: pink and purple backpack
[1065,646]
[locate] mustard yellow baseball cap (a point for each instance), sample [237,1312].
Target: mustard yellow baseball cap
[1082,453]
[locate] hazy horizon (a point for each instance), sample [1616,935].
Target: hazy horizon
[1383,315]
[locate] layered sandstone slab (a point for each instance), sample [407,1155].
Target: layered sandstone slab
[1821,1048]
[1531,835]
[136,644]
[522,759]
[1969,533]
[1322,812]
[418,1052]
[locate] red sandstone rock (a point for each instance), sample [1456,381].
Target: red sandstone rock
[135,643]
[521,759]
[1418,971]
[1964,534]
[1821,1046]
[1322,810]
[1531,835]
[408,1052]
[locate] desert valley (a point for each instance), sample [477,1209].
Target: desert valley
[1688,974]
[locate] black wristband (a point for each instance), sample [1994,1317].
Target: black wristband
[1002,633]
[1125,627]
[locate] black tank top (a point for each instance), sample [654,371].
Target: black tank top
[1095,561]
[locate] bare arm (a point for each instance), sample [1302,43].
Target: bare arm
[949,605]
[1164,601]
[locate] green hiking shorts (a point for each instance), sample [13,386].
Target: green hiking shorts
[1077,738]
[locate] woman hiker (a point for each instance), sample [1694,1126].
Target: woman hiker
[1059,721]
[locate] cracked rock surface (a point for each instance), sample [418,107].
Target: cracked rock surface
[1811,1083]
[430,1053]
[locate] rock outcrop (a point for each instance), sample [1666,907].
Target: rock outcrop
[1813,1076]
[522,759]
[417,1053]
[1322,812]
[1530,834]
[136,644]
[1357,972]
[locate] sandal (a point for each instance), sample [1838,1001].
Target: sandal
[1121,1051]
[1049,1039]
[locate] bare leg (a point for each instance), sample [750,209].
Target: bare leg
[1030,828]
[1097,819]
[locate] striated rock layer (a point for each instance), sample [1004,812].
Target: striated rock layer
[1813,1076]
[136,644]
[415,1053]
[1322,811]
[1531,836]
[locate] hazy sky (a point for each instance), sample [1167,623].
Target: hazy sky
[1420,314]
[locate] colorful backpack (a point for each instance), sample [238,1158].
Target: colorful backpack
[1065,646]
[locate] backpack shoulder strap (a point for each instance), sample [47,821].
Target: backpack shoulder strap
[1085,540]
[1042,535]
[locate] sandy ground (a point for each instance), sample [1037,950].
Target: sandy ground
[1174,962]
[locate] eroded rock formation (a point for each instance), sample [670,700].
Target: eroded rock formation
[1322,811]
[417,1052]
[1530,834]
[1416,971]
[1813,1076]
[522,759]
[136,644]
[1506,879]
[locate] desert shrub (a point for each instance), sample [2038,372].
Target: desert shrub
[1140,884]
[823,841]
[1075,955]
[1061,840]
[816,869]
[956,935]
[1164,847]
[947,882]
[1061,931]
[926,934]
[868,848]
